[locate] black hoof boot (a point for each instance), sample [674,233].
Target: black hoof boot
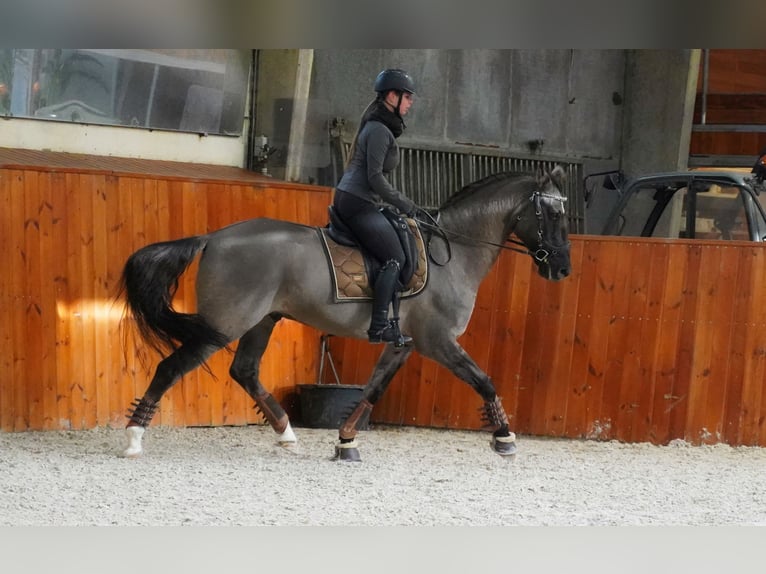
[347,451]
[390,334]
[504,445]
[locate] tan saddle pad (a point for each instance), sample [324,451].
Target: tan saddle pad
[350,274]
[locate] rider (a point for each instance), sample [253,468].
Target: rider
[363,191]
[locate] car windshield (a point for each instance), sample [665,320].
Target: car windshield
[669,210]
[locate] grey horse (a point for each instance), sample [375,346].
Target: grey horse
[256,272]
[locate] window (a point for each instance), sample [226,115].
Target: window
[201,91]
[653,211]
[720,214]
[668,210]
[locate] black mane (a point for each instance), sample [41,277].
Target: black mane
[469,190]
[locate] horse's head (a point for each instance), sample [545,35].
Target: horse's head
[542,226]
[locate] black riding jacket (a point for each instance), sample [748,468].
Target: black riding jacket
[376,153]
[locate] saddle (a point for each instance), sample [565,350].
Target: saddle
[354,270]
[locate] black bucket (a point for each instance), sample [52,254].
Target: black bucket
[328,406]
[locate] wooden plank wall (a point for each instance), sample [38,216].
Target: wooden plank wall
[64,238]
[648,340]
[736,95]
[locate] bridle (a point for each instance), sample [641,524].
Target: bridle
[541,254]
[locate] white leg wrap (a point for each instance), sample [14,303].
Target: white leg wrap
[352,444]
[287,437]
[133,437]
[510,438]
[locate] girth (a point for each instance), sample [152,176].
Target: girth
[354,270]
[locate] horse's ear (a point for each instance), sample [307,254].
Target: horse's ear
[559,177]
[542,177]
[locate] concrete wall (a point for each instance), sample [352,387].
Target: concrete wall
[660,88]
[502,99]
[659,110]
[609,109]
[26,133]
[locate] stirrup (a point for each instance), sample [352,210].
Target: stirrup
[390,334]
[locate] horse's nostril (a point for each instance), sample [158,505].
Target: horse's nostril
[562,273]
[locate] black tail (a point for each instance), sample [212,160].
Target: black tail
[149,282]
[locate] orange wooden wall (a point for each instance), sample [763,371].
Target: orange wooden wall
[648,340]
[64,238]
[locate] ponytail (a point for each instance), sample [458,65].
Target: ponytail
[362,120]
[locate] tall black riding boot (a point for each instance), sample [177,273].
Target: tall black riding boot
[381,329]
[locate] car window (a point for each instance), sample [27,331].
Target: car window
[720,214]
[652,212]
[662,211]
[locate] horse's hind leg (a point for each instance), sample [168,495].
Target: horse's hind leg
[168,372]
[450,354]
[245,369]
[388,364]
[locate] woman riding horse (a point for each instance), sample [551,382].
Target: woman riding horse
[364,190]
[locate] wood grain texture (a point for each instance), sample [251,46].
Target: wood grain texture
[647,340]
[65,236]
[736,95]
[650,341]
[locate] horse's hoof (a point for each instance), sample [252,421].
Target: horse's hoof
[133,448]
[287,437]
[504,445]
[290,448]
[347,451]
[131,453]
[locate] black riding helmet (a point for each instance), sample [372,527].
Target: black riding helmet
[394,79]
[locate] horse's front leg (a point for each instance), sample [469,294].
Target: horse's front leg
[388,364]
[450,354]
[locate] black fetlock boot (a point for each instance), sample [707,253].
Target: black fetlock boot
[381,329]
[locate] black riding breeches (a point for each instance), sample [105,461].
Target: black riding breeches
[371,228]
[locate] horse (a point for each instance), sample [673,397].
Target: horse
[253,273]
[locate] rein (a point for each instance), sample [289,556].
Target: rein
[540,254]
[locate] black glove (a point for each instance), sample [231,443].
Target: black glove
[412,212]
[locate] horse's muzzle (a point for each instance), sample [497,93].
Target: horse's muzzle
[553,272]
[561,274]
